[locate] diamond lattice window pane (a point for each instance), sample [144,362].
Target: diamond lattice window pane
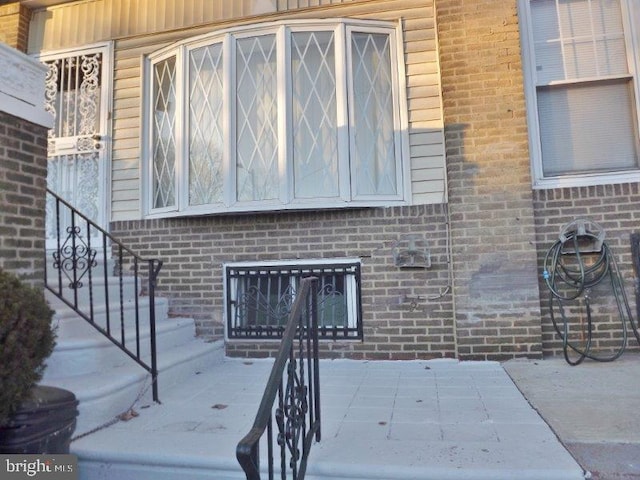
[205,125]
[315,143]
[164,134]
[257,119]
[373,161]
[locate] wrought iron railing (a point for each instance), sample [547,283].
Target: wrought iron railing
[109,290]
[291,397]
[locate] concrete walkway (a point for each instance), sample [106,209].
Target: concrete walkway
[429,420]
[592,407]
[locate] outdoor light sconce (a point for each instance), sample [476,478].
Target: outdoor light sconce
[411,251]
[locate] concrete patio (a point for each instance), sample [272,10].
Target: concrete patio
[591,408]
[430,420]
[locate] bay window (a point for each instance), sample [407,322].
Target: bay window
[278,116]
[581,74]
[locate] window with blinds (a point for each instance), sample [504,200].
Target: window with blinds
[583,92]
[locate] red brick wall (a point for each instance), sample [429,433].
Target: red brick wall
[496,290]
[195,249]
[23,173]
[617,209]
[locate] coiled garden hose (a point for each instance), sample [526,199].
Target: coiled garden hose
[571,270]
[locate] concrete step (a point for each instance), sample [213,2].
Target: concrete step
[105,380]
[202,462]
[66,320]
[104,395]
[97,290]
[84,350]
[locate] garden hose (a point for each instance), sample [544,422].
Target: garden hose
[577,262]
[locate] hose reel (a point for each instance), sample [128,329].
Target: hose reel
[574,266]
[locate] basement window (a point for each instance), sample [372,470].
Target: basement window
[259,297]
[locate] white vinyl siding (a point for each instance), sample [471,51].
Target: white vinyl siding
[582,91]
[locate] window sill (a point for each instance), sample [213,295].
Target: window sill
[569,181]
[272,208]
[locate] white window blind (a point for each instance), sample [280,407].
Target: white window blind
[587,128]
[584,83]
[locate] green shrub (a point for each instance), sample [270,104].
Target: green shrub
[26,340]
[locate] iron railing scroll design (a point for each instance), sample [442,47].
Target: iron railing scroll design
[125,281]
[291,397]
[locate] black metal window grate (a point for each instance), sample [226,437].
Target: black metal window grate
[260,297]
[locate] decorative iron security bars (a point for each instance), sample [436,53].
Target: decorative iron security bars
[82,276]
[297,411]
[260,298]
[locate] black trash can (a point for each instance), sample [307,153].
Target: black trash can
[44,423]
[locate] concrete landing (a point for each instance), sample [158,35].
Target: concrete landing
[429,420]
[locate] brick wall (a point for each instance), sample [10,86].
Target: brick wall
[14,25]
[400,319]
[23,173]
[617,209]
[493,235]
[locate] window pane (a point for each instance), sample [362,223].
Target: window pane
[332,301]
[315,145]
[205,125]
[164,134]
[373,161]
[257,119]
[587,128]
[578,39]
[263,301]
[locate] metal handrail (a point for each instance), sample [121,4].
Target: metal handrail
[297,413]
[75,260]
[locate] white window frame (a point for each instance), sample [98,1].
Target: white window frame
[631,19]
[148,123]
[286,200]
